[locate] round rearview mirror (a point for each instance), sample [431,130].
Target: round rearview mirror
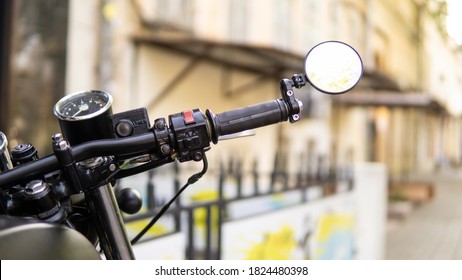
[333,67]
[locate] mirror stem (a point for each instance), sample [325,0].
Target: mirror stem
[299,80]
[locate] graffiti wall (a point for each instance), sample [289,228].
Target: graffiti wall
[322,229]
[349,225]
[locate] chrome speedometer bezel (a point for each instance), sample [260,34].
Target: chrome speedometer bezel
[94,124]
[63,102]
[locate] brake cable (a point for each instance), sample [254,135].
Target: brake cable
[193,179]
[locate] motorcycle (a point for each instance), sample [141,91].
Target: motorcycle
[63,206]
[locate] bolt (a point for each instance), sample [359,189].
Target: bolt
[296,117]
[57,137]
[165,149]
[112,167]
[34,187]
[160,124]
[60,142]
[290,93]
[63,145]
[197,156]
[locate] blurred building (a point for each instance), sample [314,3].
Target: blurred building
[408,104]
[172,55]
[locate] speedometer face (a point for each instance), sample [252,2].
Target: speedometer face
[83,105]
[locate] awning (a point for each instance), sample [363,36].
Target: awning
[257,59]
[390,99]
[373,79]
[375,89]
[266,62]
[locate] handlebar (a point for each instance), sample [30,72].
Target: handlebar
[188,135]
[105,147]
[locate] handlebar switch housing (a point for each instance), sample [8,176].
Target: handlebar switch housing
[189,128]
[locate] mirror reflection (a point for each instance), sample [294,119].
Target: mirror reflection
[333,67]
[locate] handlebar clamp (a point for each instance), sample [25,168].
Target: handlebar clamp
[287,92]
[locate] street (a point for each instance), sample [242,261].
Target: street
[432,231]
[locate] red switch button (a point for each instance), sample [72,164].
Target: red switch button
[188,117]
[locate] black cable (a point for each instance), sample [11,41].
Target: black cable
[194,178]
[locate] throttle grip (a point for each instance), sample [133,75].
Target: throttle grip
[249,117]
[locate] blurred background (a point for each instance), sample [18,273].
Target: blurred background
[371,174]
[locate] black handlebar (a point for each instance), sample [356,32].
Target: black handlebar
[105,147]
[188,134]
[249,117]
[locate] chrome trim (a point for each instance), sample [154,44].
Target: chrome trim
[5,159]
[68,97]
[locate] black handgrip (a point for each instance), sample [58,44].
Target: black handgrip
[249,117]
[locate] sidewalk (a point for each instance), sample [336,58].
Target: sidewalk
[434,230]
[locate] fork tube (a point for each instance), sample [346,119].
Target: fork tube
[109,223]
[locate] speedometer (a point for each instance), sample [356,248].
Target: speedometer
[84,116]
[83,105]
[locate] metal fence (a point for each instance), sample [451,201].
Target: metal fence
[214,213]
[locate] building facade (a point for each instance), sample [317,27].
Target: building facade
[172,55]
